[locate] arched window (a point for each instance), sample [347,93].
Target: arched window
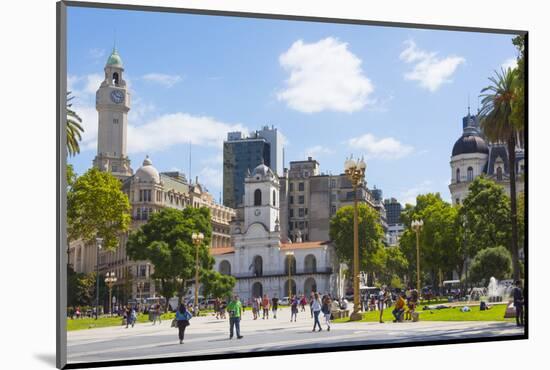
[499,173]
[310,264]
[290,261]
[310,285]
[458,175]
[225,267]
[470,174]
[115,78]
[274,199]
[290,287]
[257,197]
[257,266]
[257,290]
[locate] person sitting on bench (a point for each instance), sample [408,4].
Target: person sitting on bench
[399,308]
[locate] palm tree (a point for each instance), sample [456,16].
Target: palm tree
[73,127]
[496,123]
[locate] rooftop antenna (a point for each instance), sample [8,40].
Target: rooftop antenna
[283,158]
[114,41]
[468,104]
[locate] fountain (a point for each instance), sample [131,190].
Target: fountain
[496,291]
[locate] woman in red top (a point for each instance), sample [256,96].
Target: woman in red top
[265,306]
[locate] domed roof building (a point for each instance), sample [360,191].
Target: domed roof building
[114,59]
[147,173]
[262,172]
[473,155]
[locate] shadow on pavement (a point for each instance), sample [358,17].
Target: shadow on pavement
[47,358]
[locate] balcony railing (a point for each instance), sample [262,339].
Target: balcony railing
[299,272]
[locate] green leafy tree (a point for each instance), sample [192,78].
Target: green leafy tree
[491,262]
[370,236]
[217,285]
[496,121]
[393,266]
[440,246]
[73,128]
[165,240]
[486,216]
[518,103]
[97,207]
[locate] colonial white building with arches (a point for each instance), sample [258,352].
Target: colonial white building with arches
[258,258]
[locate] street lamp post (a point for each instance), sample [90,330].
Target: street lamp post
[110,280]
[355,172]
[197,240]
[417,226]
[98,244]
[289,256]
[140,285]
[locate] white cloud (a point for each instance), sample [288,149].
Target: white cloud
[84,87]
[409,195]
[509,63]
[97,53]
[317,151]
[385,148]
[178,128]
[89,124]
[324,76]
[428,69]
[162,79]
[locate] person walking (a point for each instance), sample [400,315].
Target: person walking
[382,296]
[311,299]
[325,308]
[316,309]
[303,303]
[265,306]
[274,306]
[234,308]
[255,308]
[217,304]
[182,319]
[130,317]
[518,303]
[293,308]
[156,313]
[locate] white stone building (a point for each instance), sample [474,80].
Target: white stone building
[148,190]
[258,258]
[473,156]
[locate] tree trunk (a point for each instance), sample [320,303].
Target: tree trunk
[513,204]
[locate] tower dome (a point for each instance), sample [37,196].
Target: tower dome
[114,59]
[470,143]
[148,173]
[263,171]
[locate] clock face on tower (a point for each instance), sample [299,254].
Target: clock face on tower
[117,96]
[257,212]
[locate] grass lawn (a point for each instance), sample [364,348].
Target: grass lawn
[496,313]
[102,322]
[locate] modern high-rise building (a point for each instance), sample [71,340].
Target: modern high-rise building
[393,211]
[275,140]
[242,154]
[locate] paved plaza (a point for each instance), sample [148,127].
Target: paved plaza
[206,335]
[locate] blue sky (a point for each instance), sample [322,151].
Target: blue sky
[396,96]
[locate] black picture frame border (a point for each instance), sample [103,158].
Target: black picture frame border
[61,156]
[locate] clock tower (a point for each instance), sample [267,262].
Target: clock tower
[112,104]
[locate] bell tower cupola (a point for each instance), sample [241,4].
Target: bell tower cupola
[113,104]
